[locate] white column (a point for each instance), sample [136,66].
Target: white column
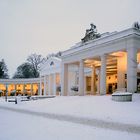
[31,90]
[93,80]
[45,86]
[64,79]
[121,71]
[54,84]
[59,83]
[85,85]
[15,89]
[103,75]
[40,86]
[98,82]
[15,86]
[38,89]
[81,78]
[49,84]
[132,69]
[23,89]
[6,87]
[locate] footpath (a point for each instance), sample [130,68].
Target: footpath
[130,128]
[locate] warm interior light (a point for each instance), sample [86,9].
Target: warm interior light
[118,54]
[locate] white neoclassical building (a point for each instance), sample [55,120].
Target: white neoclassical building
[112,58]
[50,77]
[98,64]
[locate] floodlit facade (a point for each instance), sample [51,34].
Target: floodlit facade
[99,64]
[112,58]
[20,86]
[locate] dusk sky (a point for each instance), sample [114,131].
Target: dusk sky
[49,26]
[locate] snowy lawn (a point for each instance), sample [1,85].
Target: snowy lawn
[17,126]
[96,107]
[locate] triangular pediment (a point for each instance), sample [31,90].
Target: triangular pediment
[53,64]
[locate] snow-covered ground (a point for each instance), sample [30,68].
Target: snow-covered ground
[17,126]
[93,107]
[25,125]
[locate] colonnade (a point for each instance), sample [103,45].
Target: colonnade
[131,72]
[23,90]
[48,83]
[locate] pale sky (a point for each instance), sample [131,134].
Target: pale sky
[49,26]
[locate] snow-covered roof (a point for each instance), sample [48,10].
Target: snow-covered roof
[98,42]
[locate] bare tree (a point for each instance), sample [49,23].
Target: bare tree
[35,60]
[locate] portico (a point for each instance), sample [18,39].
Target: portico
[112,60]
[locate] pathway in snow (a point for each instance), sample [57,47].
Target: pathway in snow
[85,121]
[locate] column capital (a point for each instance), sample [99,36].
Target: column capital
[103,55]
[132,49]
[81,61]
